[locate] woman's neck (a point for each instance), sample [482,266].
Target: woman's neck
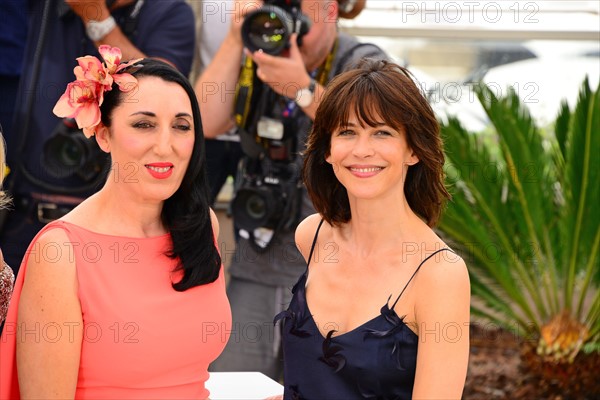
[119,213]
[377,227]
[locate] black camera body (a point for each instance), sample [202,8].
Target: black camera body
[269,28]
[67,152]
[269,196]
[269,188]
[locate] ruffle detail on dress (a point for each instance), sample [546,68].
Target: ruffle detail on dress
[295,287]
[396,323]
[396,351]
[331,354]
[392,318]
[298,320]
[369,394]
[295,393]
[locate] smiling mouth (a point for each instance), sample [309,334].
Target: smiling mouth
[160,170]
[366,170]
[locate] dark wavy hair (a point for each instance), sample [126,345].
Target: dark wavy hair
[376,89]
[186,214]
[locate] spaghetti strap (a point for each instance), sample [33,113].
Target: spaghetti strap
[312,248]
[417,270]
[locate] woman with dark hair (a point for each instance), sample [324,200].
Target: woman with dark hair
[124,297]
[382,310]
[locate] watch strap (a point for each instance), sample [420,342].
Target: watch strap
[312,85]
[96,30]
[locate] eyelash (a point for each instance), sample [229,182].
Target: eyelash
[148,125]
[349,132]
[184,127]
[142,125]
[344,133]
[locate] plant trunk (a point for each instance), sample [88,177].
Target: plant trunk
[561,380]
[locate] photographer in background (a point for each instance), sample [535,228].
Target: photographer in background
[267,78]
[222,152]
[53,167]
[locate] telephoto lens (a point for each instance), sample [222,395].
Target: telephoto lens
[269,28]
[68,152]
[257,206]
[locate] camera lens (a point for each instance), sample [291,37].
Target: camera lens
[63,154]
[268,28]
[68,152]
[256,207]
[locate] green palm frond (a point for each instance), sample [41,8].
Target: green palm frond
[532,195]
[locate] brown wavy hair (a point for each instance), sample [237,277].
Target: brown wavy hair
[349,9]
[377,89]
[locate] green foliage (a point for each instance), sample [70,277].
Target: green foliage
[525,212]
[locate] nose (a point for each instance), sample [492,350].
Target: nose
[363,147]
[163,145]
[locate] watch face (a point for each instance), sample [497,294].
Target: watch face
[304,97]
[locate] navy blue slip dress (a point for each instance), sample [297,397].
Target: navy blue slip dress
[376,360]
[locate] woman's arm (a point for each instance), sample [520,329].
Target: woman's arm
[49,323]
[214,220]
[442,316]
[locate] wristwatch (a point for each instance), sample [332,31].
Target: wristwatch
[305,96]
[96,30]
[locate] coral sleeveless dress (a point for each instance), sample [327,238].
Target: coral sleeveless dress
[376,360]
[142,339]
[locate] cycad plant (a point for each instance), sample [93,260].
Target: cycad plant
[526,212]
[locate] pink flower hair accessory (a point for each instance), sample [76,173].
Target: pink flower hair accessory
[84,96]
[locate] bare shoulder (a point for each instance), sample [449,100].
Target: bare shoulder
[444,290]
[52,251]
[444,269]
[305,233]
[214,220]
[51,278]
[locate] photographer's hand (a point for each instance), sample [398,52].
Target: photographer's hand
[88,10]
[98,10]
[286,75]
[215,88]
[241,9]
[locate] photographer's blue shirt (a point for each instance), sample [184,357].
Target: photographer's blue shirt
[164,29]
[13,34]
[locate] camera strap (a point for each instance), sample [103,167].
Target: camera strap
[249,92]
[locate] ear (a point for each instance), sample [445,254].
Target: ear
[103,137]
[333,11]
[412,159]
[328,157]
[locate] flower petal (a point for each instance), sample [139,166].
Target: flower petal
[88,115]
[128,64]
[89,132]
[126,82]
[63,107]
[112,57]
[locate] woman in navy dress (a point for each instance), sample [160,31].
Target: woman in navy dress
[382,310]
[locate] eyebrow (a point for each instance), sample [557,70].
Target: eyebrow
[352,125]
[151,114]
